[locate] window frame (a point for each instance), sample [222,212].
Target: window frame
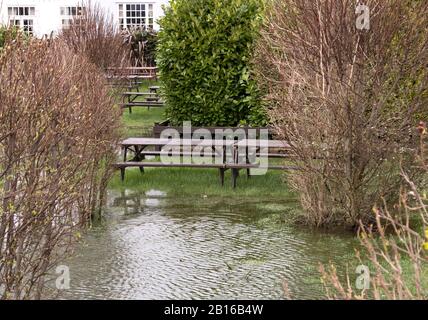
[133,15]
[23,17]
[69,13]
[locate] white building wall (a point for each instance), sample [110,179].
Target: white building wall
[47,17]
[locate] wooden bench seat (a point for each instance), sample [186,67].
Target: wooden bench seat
[122,85]
[256,166]
[147,76]
[142,104]
[211,154]
[139,94]
[154,89]
[177,154]
[153,99]
[241,152]
[130,164]
[122,166]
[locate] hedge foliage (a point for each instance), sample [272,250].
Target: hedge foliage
[7,33]
[204,56]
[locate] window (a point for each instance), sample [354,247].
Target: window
[69,14]
[22,17]
[27,26]
[136,15]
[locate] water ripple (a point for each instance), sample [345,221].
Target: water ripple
[153,247]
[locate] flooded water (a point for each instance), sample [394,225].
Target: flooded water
[151,246]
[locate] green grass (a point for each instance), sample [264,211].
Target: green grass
[408,271]
[203,182]
[141,121]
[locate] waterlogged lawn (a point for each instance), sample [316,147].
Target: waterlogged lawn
[265,202]
[157,245]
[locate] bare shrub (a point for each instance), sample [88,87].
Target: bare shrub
[142,46]
[395,252]
[346,99]
[58,132]
[94,35]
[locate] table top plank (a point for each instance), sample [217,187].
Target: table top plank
[206,142]
[139,94]
[264,143]
[133,68]
[174,142]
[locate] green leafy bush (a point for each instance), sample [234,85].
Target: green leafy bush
[7,33]
[2,36]
[204,56]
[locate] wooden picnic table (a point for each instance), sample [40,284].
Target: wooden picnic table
[130,67]
[152,71]
[154,89]
[139,94]
[174,142]
[123,82]
[132,74]
[131,96]
[132,77]
[134,68]
[243,149]
[137,145]
[219,150]
[151,100]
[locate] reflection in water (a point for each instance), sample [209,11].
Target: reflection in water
[155,247]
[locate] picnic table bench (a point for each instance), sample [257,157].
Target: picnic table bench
[154,89]
[132,81]
[150,100]
[123,83]
[140,72]
[218,150]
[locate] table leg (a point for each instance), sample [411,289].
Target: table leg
[125,154]
[138,156]
[125,158]
[235,172]
[222,177]
[247,160]
[122,174]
